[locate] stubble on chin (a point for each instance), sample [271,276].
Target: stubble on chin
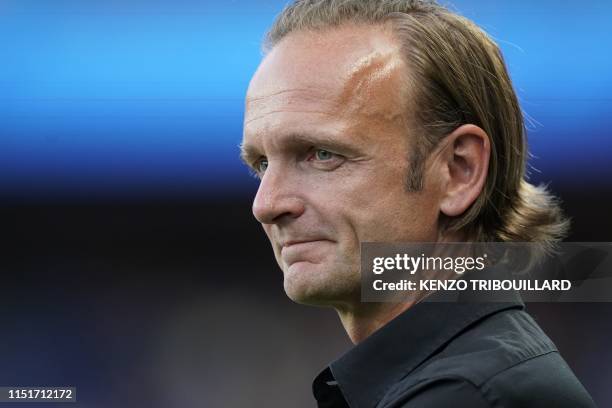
[318,285]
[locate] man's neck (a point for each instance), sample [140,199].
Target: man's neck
[360,320]
[359,324]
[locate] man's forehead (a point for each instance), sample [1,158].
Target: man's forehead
[340,63]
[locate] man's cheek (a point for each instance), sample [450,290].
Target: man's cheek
[268,231]
[366,223]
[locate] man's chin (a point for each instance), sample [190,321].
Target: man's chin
[310,284]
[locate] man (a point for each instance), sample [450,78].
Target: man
[395,121]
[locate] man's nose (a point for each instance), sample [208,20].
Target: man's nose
[277,198]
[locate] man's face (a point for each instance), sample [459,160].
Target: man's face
[326,129]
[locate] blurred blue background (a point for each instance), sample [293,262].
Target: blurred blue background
[116,98]
[130,265]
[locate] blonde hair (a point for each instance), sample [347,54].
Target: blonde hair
[458,77]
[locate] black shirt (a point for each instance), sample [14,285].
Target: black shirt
[450,354]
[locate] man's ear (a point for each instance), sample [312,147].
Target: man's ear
[466,158]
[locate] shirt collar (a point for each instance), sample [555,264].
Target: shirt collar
[364,374]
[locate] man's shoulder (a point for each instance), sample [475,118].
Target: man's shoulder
[493,345]
[503,360]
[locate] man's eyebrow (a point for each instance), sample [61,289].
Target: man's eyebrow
[250,153]
[320,140]
[317,139]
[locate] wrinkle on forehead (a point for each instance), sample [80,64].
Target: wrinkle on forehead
[289,96]
[300,100]
[252,117]
[304,91]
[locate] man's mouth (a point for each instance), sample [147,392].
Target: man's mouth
[299,241]
[308,250]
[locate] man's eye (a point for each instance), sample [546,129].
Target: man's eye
[325,160]
[261,165]
[323,155]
